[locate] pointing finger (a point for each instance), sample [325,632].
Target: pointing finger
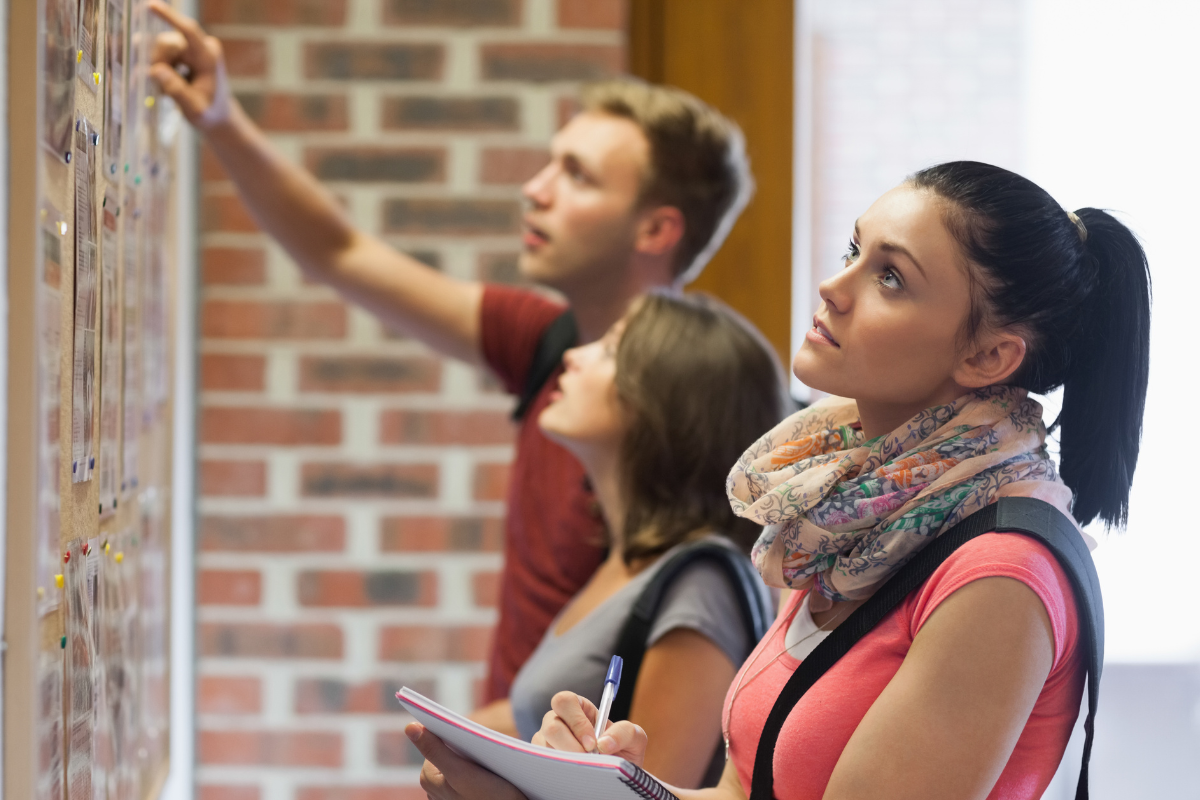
[188,27]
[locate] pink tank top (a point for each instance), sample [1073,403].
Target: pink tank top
[818,728]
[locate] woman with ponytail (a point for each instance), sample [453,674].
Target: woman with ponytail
[964,290]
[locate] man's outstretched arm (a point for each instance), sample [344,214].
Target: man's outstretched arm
[292,206]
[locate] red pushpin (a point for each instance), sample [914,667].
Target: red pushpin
[66,556]
[85,548]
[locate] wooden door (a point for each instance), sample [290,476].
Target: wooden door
[737,56]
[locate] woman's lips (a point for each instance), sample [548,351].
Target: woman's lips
[819,334]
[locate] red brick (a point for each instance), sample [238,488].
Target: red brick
[286,111]
[274,13]
[228,793]
[457,13]
[485,588]
[278,426]
[233,266]
[434,643]
[440,534]
[360,793]
[262,640]
[393,749]
[593,14]
[269,748]
[512,165]
[220,478]
[350,588]
[545,63]
[568,107]
[434,113]
[228,587]
[452,217]
[256,319]
[380,480]
[210,168]
[446,427]
[244,58]
[500,268]
[287,534]
[369,374]
[491,481]
[225,213]
[227,372]
[366,60]
[332,696]
[220,694]
[378,164]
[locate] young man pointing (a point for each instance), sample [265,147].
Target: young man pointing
[642,186]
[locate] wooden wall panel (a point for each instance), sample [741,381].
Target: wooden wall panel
[736,55]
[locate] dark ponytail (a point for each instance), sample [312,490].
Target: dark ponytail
[1080,292]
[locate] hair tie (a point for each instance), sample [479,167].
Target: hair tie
[1071,215]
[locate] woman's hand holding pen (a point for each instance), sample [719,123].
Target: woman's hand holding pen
[570,726]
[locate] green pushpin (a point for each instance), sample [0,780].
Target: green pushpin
[62,643]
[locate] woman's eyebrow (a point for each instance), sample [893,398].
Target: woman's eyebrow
[892,247]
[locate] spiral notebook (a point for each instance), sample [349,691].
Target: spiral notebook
[540,773]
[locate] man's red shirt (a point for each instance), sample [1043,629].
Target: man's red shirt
[554,533]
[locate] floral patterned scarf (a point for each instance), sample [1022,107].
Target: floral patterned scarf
[842,514]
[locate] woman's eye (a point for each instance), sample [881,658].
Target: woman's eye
[890,280]
[851,254]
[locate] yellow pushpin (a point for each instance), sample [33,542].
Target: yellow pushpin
[58,580]
[79,57]
[107,547]
[44,213]
[119,557]
[150,101]
[96,77]
[41,592]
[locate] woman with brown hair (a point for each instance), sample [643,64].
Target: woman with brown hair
[655,411]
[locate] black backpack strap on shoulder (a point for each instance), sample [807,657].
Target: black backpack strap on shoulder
[560,336]
[1010,514]
[753,603]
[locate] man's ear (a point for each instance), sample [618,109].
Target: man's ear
[993,360]
[659,231]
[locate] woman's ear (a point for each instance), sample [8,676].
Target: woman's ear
[992,360]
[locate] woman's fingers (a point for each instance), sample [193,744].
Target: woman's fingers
[448,776]
[192,33]
[570,724]
[624,739]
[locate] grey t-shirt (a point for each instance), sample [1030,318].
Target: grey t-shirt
[700,599]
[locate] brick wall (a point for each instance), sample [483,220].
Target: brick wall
[351,481]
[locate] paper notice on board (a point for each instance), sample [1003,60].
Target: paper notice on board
[58,70]
[80,681]
[102,739]
[89,35]
[49,556]
[110,358]
[83,379]
[49,724]
[114,100]
[131,423]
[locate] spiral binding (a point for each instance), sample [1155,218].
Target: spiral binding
[644,784]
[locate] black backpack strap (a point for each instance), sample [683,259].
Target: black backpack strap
[753,603]
[560,336]
[1010,514]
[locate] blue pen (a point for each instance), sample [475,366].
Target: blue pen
[612,682]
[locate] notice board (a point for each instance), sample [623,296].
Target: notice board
[91,281]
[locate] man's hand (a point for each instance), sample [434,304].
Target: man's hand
[448,776]
[203,96]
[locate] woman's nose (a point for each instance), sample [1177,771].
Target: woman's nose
[836,290]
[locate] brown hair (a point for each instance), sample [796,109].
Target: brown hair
[698,162]
[701,384]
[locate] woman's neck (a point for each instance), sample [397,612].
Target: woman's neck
[603,470]
[879,418]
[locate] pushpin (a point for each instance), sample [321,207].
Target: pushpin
[66,556]
[137,181]
[119,557]
[79,57]
[58,580]
[96,77]
[112,170]
[107,547]
[62,643]
[85,548]
[62,228]
[67,156]
[95,139]
[150,101]
[43,213]
[41,592]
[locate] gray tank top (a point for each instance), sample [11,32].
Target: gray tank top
[700,599]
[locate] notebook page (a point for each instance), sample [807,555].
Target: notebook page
[540,773]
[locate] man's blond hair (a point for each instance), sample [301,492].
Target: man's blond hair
[698,162]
